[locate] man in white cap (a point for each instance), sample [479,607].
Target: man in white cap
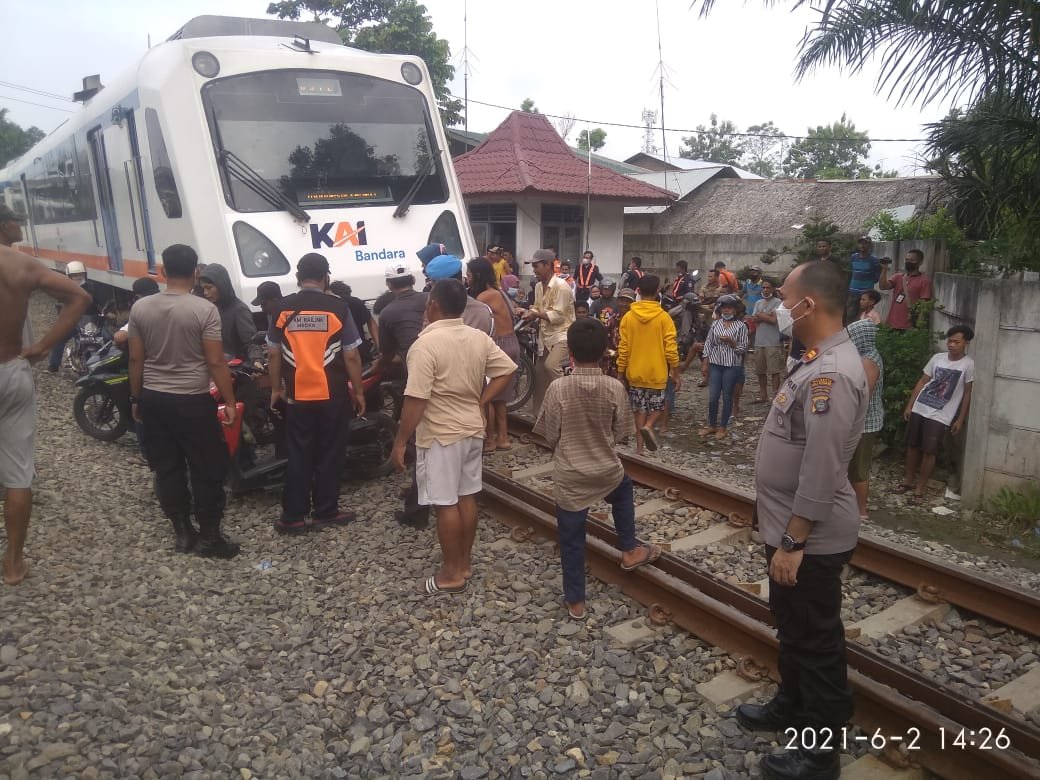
[554,309]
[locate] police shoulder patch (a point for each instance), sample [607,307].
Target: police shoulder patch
[821,404]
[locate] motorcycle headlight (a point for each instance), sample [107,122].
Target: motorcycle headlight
[91,329]
[257,254]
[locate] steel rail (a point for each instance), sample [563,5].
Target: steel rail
[986,596]
[878,706]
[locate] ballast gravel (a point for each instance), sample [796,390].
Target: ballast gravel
[312,656]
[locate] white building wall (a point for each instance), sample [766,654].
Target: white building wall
[1003,431]
[607,236]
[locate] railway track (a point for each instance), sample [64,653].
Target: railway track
[891,699]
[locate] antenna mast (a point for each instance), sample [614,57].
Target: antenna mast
[660,69]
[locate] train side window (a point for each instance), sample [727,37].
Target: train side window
[162,170]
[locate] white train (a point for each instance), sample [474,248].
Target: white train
[254,141]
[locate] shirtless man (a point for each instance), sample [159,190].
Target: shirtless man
[20,275]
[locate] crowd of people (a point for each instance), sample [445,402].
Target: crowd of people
[608,367]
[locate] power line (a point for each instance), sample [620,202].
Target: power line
[778,136]
[40,92]
[41,105]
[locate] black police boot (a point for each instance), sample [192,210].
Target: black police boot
[802,764]
[184,535]
[776,714]
[212,543]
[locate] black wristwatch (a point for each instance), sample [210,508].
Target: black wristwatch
[788,543]
[134,400]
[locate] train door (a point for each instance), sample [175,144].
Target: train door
[116,154]
[29,212]
[106,201]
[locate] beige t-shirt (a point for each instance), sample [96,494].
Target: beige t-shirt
[447,365]
[173,327]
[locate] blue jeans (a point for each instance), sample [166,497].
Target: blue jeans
[54,363]
[721,381]
[571,526]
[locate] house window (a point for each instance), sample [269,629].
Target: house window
[561,229]
[493,224]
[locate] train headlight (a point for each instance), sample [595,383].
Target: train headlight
[205,64]
[411,73]
[257,254]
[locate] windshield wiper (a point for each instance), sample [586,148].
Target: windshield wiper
[420,179]
[240,169]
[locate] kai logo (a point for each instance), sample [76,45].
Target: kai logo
[344,234]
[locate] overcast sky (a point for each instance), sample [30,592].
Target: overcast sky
[595,59]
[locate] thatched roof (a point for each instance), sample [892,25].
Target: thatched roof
[781,206]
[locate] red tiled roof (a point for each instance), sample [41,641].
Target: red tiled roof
[525,154]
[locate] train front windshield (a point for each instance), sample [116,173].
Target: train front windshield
[321,138]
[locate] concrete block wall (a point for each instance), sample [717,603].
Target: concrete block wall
[1002,442]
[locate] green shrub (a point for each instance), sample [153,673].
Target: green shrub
[905,354]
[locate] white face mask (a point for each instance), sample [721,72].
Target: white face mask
[785,320]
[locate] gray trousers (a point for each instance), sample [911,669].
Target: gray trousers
[549,367]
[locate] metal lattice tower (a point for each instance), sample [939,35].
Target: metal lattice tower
[649,119]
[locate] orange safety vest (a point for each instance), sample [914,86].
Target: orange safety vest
[585,280]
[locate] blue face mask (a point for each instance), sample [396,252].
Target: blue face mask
[512,291]
[727,317]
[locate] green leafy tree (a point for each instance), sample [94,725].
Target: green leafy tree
[714,144]
[594,139]
[835,151]
[528,106]
[389,27]
[762,150]
[14,140]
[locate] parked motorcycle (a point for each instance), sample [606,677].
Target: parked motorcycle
[527,334]
[262,461]
[102,404]
[90,335]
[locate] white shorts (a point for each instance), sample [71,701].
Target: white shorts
[443,473]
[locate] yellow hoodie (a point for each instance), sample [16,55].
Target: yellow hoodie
[647,348]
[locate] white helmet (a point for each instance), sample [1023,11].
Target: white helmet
[75,267]
[399,270]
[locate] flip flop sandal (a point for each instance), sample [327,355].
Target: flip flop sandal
[649,438]
[429,587]
[916,500]
[901,488]
[653,552]
[579,618]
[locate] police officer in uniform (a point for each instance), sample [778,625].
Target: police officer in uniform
[809,521]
